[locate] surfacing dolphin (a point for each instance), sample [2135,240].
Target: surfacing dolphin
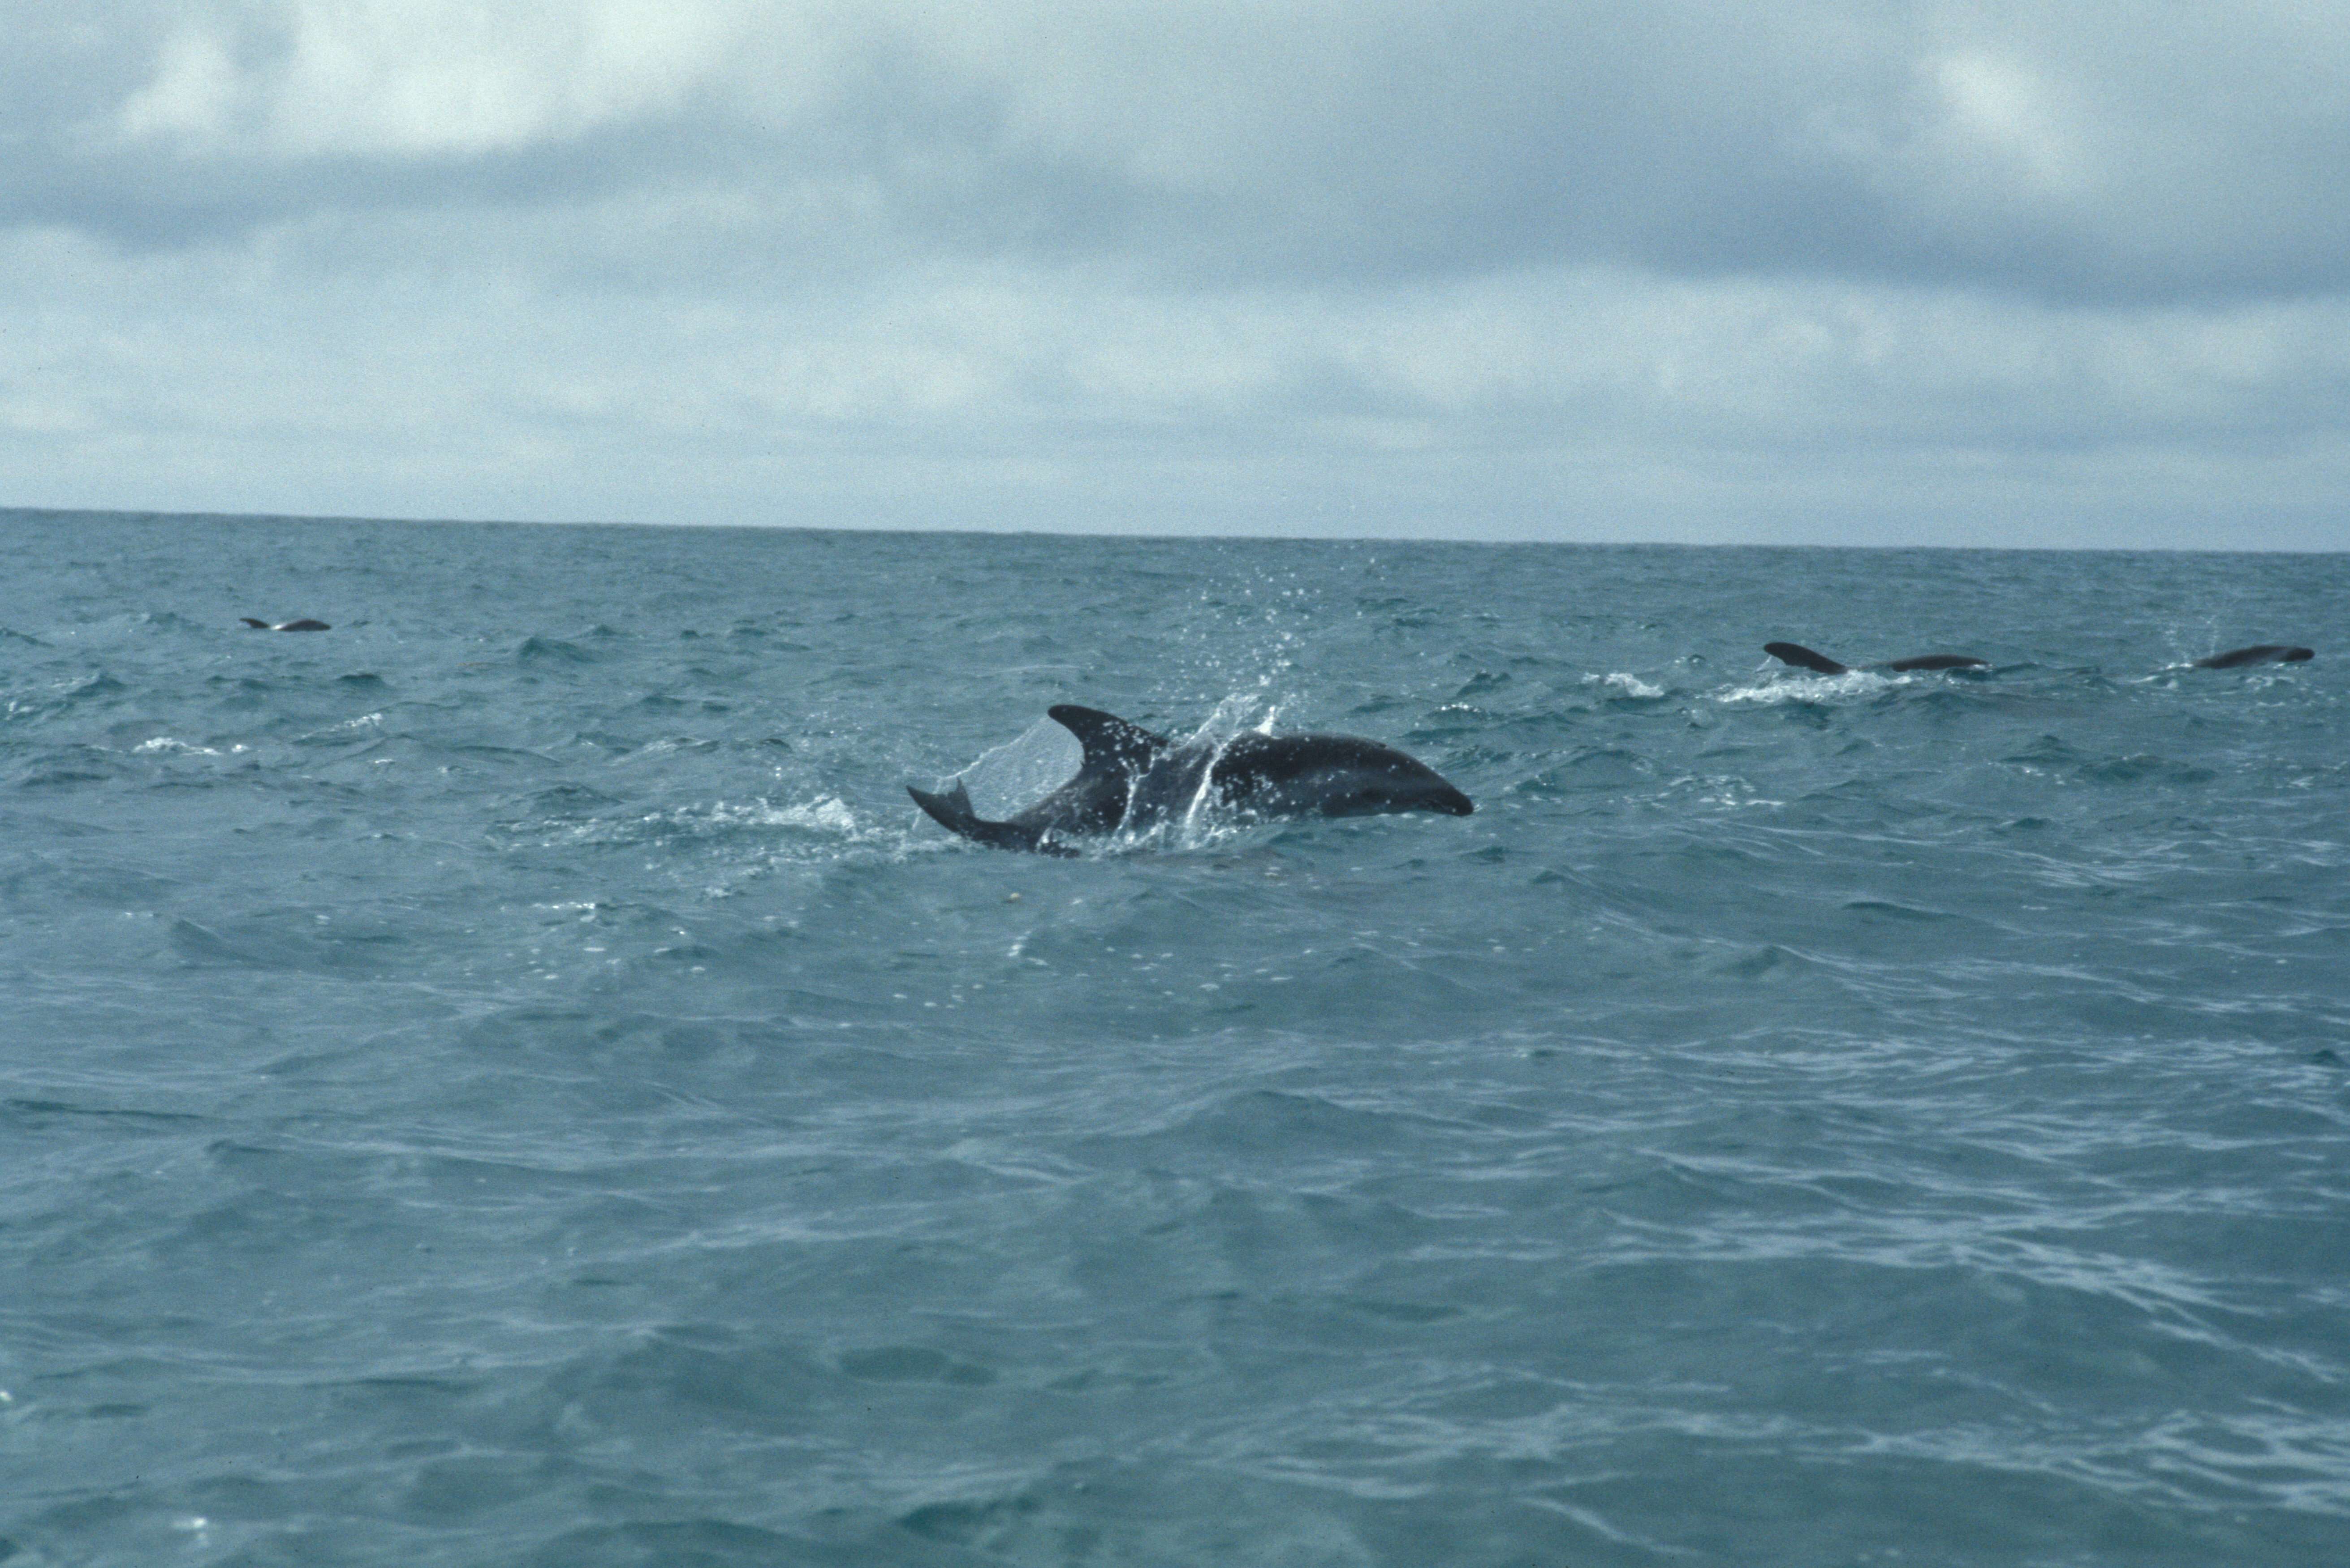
[304,625]
[1134,779]
[2259,653]
[1795,653]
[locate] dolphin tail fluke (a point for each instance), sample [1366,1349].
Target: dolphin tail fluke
[952,811]
[256,625]
[1802,658]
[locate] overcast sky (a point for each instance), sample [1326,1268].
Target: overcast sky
[1819,271]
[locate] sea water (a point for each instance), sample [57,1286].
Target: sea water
[512,1079]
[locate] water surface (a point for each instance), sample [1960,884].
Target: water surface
[512,1079]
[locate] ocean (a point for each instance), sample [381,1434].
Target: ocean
[513,1078]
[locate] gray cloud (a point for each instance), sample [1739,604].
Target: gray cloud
[1689,267]
[1960,146]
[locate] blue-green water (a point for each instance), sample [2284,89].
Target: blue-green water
[512,1079]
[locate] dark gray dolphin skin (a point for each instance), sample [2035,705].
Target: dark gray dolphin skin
[1134,779]
[1795,653]
[285,624]
[2259,653]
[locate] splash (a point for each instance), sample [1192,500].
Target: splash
[1021,771]
[1815,688]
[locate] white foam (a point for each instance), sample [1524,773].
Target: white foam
[1814,688]
[827,814]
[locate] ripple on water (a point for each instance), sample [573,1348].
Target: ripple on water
[524,1085]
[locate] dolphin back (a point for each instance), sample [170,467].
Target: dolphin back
[1802,658]
[1329,775]
[2259,653]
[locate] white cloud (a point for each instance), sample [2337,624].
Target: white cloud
[466,79]
[1998,113]
[392,77]
[195,93]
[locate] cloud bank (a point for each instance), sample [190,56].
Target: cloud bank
[1856,271]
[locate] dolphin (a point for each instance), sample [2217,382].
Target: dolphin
[1795,653]
[1133,779]
[303,625]
[2259,653]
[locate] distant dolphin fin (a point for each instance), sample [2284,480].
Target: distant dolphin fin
[256,625]
[952,812]
[2259,653]
[1110,741]
[1796,654]
[1940,661]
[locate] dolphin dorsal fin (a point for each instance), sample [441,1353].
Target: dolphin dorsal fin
[1109,740]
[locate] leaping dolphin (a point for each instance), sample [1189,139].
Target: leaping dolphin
[304,625]
[2259,653]
[1133,779]
[1795,653]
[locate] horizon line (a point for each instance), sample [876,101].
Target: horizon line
[15,510]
